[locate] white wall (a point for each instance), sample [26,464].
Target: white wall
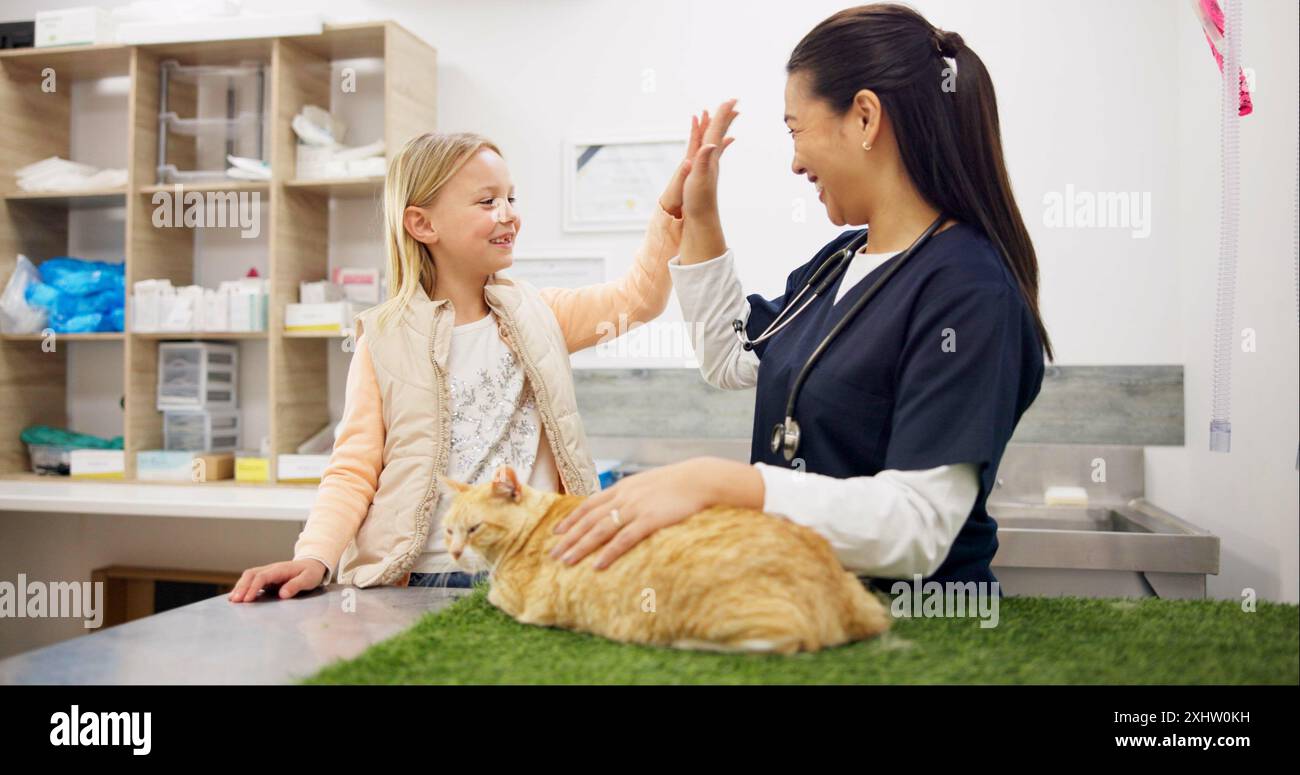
[1104,95]
[1248,497]
[532,74]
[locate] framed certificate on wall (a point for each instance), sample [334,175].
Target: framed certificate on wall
[558,268]
[614,184]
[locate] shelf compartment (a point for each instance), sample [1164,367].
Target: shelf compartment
[189,130]
[34,380]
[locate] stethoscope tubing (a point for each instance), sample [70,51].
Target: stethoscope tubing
[840,260]
[786,435]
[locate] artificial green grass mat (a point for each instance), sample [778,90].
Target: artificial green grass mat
[1036,640]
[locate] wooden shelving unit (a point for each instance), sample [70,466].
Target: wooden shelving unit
[220,185]
[106,336]
[219,336]
[35,124]
[349,188]
[105,197]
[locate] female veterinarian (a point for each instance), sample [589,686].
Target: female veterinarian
[891,373]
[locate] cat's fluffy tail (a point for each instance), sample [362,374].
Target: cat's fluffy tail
[786,626]
[869,617]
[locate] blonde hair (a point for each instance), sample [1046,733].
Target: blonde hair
[415,176]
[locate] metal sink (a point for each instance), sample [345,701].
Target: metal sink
[1120,545]
[1067,518]
[1123,550]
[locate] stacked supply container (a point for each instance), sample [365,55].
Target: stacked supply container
[197,393]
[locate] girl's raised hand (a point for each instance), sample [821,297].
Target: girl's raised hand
[700,193]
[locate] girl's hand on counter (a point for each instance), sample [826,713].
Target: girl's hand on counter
[650,501]
[293,576]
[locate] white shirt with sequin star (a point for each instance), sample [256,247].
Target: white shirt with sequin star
[494,422]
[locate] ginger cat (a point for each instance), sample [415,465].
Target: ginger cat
[725,579]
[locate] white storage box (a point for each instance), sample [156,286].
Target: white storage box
[97,463]
[211,431]
[197,375]
[334,316]
[300,468]
[318,292]
[248,299]
[160,465]
[82,26]
[313,162]
[360,284]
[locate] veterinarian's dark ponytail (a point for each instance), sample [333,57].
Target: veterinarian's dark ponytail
[945,118]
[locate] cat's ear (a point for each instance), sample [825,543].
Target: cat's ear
[505,484]
[454,486]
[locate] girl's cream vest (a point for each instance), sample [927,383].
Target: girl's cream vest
[410,364]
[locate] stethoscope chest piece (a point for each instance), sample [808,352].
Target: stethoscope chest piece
[739,327]
[785,438]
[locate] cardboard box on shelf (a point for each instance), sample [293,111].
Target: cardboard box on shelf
[214,466]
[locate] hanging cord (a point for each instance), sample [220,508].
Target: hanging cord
[1225,302]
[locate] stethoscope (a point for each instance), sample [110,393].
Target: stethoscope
[785,435]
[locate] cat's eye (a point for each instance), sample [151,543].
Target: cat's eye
[472,529]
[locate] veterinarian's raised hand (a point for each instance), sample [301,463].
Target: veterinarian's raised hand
[703,130]
[700,193]
[671,199]
[620,516]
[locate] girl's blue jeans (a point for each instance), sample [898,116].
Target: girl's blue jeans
[452,579]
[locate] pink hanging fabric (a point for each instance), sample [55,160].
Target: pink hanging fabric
[1211,16]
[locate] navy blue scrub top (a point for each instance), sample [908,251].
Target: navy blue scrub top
[936,369]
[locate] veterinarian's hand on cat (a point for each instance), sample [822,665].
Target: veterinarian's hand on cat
[653,500]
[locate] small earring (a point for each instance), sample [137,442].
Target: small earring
[865,147]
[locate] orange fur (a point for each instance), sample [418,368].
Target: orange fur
[725,578]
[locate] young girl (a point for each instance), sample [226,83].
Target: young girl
[460,371]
